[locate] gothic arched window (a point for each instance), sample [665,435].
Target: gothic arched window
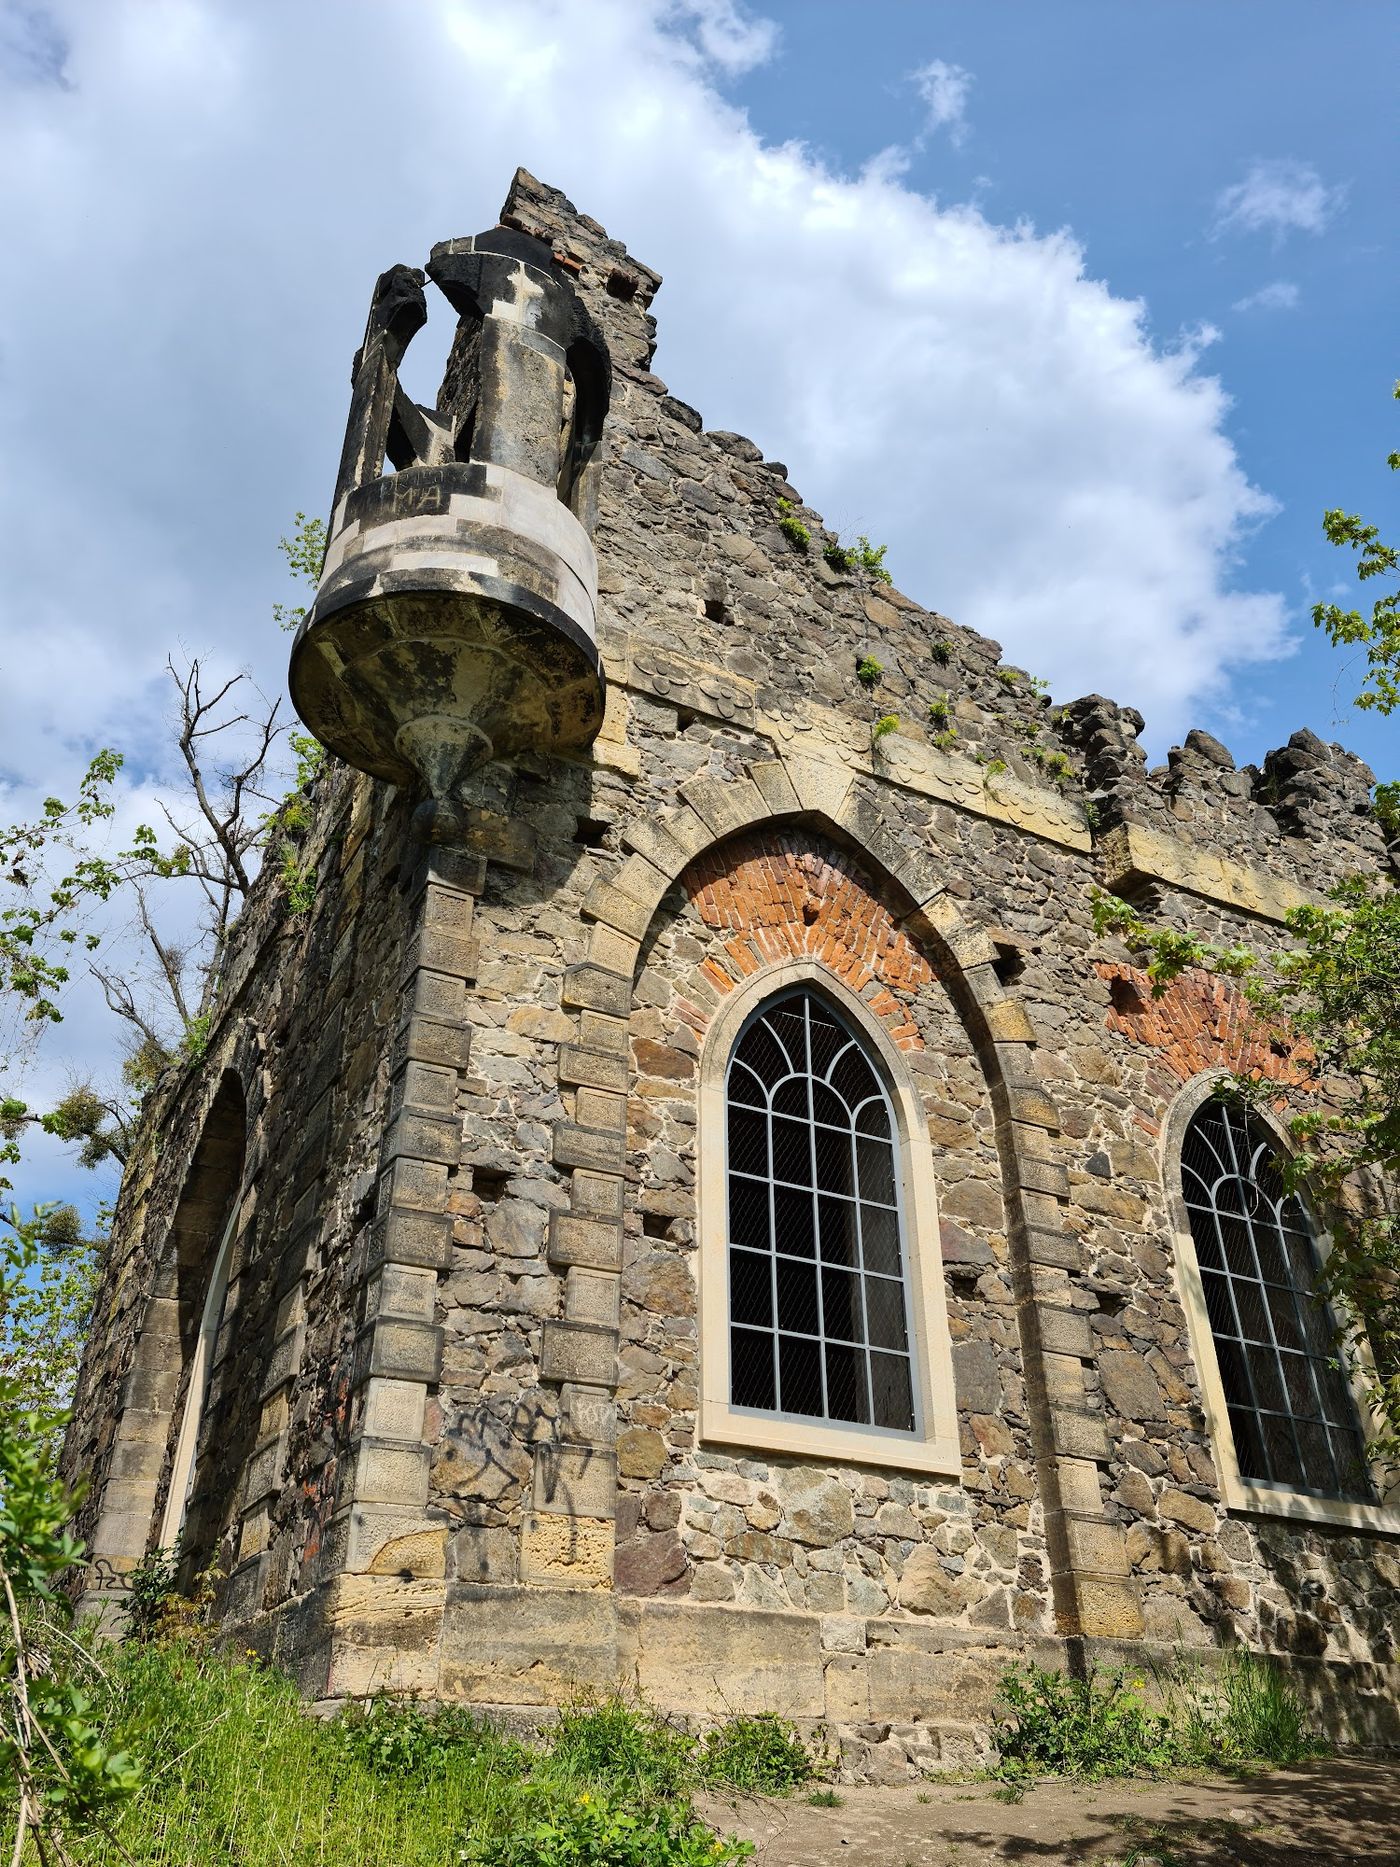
[818,1294]
[1291,1412]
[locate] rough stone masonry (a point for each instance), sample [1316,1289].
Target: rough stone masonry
[453,1163]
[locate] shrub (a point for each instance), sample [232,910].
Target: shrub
[868,671]
[940,710]
[839,556]
[761,1753]
[613,1742]
[942,651]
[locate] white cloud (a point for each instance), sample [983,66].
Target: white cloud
[1277,196]
[728,36]
[211,192]
[944,89]
[1278,295]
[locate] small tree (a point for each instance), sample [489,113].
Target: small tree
[66,1776]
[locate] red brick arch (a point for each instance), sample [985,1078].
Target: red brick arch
[779,895]
[1201,1023]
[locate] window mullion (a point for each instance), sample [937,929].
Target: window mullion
[816,1215]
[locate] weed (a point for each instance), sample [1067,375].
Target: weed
[1094,1726]
[1246,1712]
[942,651]
[826,1799]
[298,880]
[1028,729]
[1009,1792]
[1008,677]
[757,1752]
[872,560]
[1100,1726]
[868,671]
[791,526]
[940,710]
[947,739]
[150,1585]
[887,723]
[1037,686]
[598,1829]
[839,556]
[611,1741]
[993,768]
[1092,814]
[195,1041]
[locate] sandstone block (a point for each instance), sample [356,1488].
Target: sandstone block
[925,1587]
[1181,1508]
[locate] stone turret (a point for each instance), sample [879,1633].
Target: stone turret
[455,617]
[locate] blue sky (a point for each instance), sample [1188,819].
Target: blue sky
[1126,123]
[1086,310]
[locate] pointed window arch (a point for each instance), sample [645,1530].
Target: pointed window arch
[1292,1416]
[823,1315]
[818,1301]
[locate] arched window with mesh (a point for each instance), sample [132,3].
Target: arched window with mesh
[818,1301]
[1292,1415]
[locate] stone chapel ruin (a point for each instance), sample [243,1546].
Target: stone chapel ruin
[691,1207]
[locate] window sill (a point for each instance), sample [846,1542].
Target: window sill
[721,1425]
[1301,1507]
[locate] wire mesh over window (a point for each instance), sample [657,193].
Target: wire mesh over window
[1291,1411]
[818,1315]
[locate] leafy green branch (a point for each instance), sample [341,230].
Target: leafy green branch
[1378,633]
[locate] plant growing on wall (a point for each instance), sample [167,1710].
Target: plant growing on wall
[868,672]
[862,556]
[791,526]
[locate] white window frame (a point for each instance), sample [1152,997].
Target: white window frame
[932,1448]
[1251,1496]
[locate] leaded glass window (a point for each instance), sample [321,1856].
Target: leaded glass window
[818,1307]
[1292,1414]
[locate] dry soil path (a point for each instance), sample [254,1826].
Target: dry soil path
[1342,1811]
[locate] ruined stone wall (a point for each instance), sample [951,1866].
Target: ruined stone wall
[468,1258]
[298,1034]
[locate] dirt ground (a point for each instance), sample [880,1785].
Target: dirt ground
[1343,1811]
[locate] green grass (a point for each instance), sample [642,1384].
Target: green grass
[240,1774]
